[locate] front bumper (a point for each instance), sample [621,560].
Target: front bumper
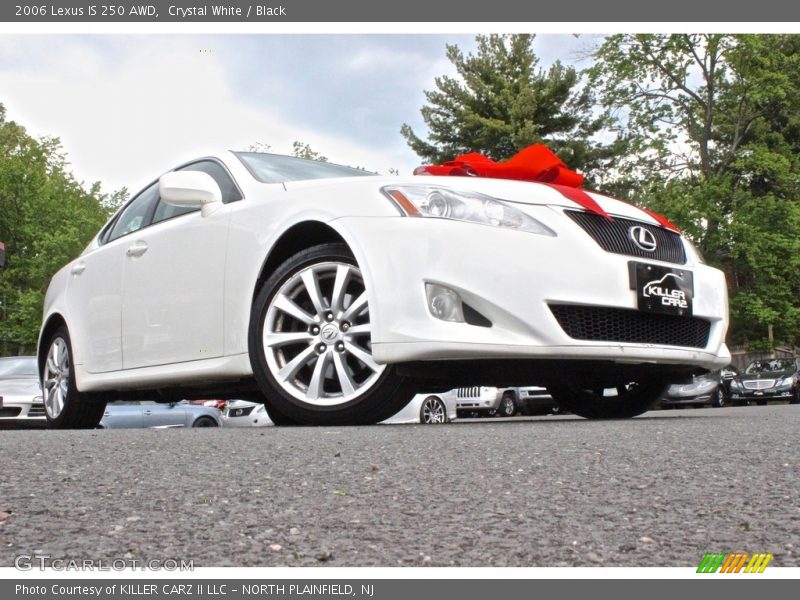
[511,278]
[776,393]
[14,410]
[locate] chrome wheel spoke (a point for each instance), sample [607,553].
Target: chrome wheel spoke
[284,304]
[356,307]
[343,373]
[339,288]
[362,355]
[291,368]
[359,329]
[273,340]
[317,383]
[312,287]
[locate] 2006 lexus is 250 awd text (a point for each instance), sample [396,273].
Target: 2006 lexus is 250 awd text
[334,295]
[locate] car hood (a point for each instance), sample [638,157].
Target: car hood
[766,375]
[522,192]
[19,387]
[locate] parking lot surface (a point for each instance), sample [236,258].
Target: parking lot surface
[658,490]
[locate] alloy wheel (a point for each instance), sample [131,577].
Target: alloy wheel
[433,411]
[316,335]
[56,378]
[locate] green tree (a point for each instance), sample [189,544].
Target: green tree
[301,150]
[502,101]
[46,220]
[713,126]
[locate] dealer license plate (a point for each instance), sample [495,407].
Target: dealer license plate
[662,290]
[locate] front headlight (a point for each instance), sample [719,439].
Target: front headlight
[788,381]
[445,203]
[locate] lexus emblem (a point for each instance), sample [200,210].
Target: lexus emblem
[643,238]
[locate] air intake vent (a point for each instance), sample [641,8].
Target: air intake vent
[602,324]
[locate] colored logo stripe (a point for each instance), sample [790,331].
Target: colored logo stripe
[734,562]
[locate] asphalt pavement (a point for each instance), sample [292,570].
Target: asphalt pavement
[658,490]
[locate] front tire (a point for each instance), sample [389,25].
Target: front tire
[507,406]
[719,398]
[204,422]
[310,344]
[64,406]
[621,402]
[432,411]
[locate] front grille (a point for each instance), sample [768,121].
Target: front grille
[10,411]
[614,236]
[470,392]
[36,410]
[602,324]
[759,384]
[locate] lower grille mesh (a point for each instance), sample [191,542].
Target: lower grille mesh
[601,324]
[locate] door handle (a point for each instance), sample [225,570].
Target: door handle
[137,249]
[147,413]
[78,268]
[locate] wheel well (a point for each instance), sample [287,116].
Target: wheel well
[296,238]
[54,322]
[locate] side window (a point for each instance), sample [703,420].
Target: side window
[226,185]
[134,216]
[165,211]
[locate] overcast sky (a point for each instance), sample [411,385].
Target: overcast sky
[128,107]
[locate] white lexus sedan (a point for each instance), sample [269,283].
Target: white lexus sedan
[334,295]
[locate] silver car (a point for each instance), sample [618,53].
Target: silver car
[20,392]
[137,414]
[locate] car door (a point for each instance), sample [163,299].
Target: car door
[95,287]
[123,415]
[164,415]
[173,284]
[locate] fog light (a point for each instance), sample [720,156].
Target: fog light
[444,303]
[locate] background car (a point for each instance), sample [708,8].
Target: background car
[423,408]
[133,414]
[765,380]
[242,413]
[427,409]
[477,401]
[710,388]
[531,400]
[20,391]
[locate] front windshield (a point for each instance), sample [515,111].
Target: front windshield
[276,168]
[18,367]
[769,366]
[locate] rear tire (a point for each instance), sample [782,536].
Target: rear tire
[310,344]
[64,406]
[628,400]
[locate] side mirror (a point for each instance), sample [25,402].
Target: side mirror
[190,189]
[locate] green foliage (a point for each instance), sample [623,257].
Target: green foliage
[713,123]
[301,150]
[502,102]
[46,220]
